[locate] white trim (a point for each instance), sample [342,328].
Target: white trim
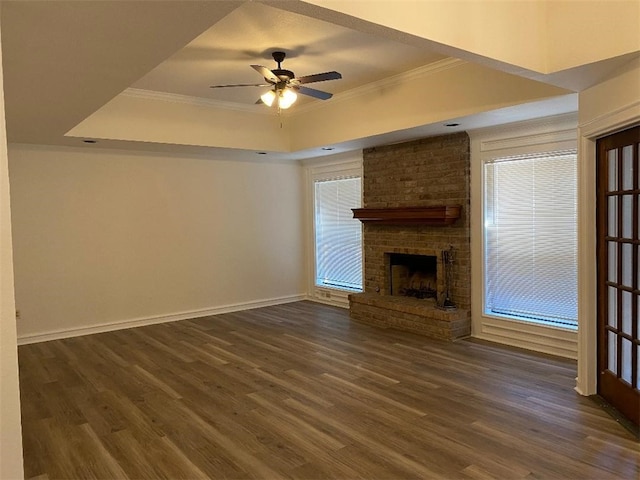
[588,133]
[336,163]
[545,339]
[139,322]
[550,134]
[610,122]
[329,296]
[546,138]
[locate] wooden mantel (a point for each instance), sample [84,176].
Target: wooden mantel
[435,216]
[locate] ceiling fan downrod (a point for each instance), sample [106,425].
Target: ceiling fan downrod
[282,74]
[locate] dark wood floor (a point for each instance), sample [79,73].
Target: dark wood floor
[297,391]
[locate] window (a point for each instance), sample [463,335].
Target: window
[530,254]
[338,236]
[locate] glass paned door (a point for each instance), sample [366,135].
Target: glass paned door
[619,271]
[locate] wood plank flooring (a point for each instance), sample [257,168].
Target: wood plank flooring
[299,391]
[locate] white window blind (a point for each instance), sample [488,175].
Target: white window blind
[338,234]
[531,238]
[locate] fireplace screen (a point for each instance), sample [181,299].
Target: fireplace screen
[413,275]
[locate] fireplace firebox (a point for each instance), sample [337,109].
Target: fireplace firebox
[413,275]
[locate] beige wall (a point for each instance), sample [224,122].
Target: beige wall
[543,35]
[579,32]
[10,431]
[619,91]
[176,120]
[462,89]
[103,237]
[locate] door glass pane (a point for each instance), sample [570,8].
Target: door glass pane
[613,307]
[613,169]
[625,367]
[626,312]
[627,265]
[613,262]
[627,219]
[627,167]
[613,216]
[612,353]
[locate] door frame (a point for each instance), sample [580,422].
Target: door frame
[588,133]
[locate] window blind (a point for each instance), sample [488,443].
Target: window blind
[338,234]
[531,238]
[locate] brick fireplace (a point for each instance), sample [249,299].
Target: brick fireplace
[403,185]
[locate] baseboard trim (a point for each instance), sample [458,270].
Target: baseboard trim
[330,296]
[332,303]
[140,322]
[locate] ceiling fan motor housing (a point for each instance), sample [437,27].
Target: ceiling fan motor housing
[282,74]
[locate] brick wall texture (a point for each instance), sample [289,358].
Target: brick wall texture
[427,172]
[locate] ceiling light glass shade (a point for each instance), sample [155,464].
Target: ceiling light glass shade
[287,98]
[268,98]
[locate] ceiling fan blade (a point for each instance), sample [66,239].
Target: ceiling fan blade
[318,77]
[312,92]
[266,73]
[242,85]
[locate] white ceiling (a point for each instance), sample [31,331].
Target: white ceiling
[64,60]
[223,54]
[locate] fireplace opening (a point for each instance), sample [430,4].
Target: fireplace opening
[413,275]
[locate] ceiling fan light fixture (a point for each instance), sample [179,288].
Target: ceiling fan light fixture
[286,98]
[284,82]
[268,98]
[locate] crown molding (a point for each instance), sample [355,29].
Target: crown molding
[190,100]
[567,135]
[528,128]
[611,121]
[367,89]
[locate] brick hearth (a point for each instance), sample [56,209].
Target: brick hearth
[428,172]
[409,314]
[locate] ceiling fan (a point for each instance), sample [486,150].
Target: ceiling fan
[285,84]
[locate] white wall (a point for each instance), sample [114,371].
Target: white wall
[104,237]
[10,427]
